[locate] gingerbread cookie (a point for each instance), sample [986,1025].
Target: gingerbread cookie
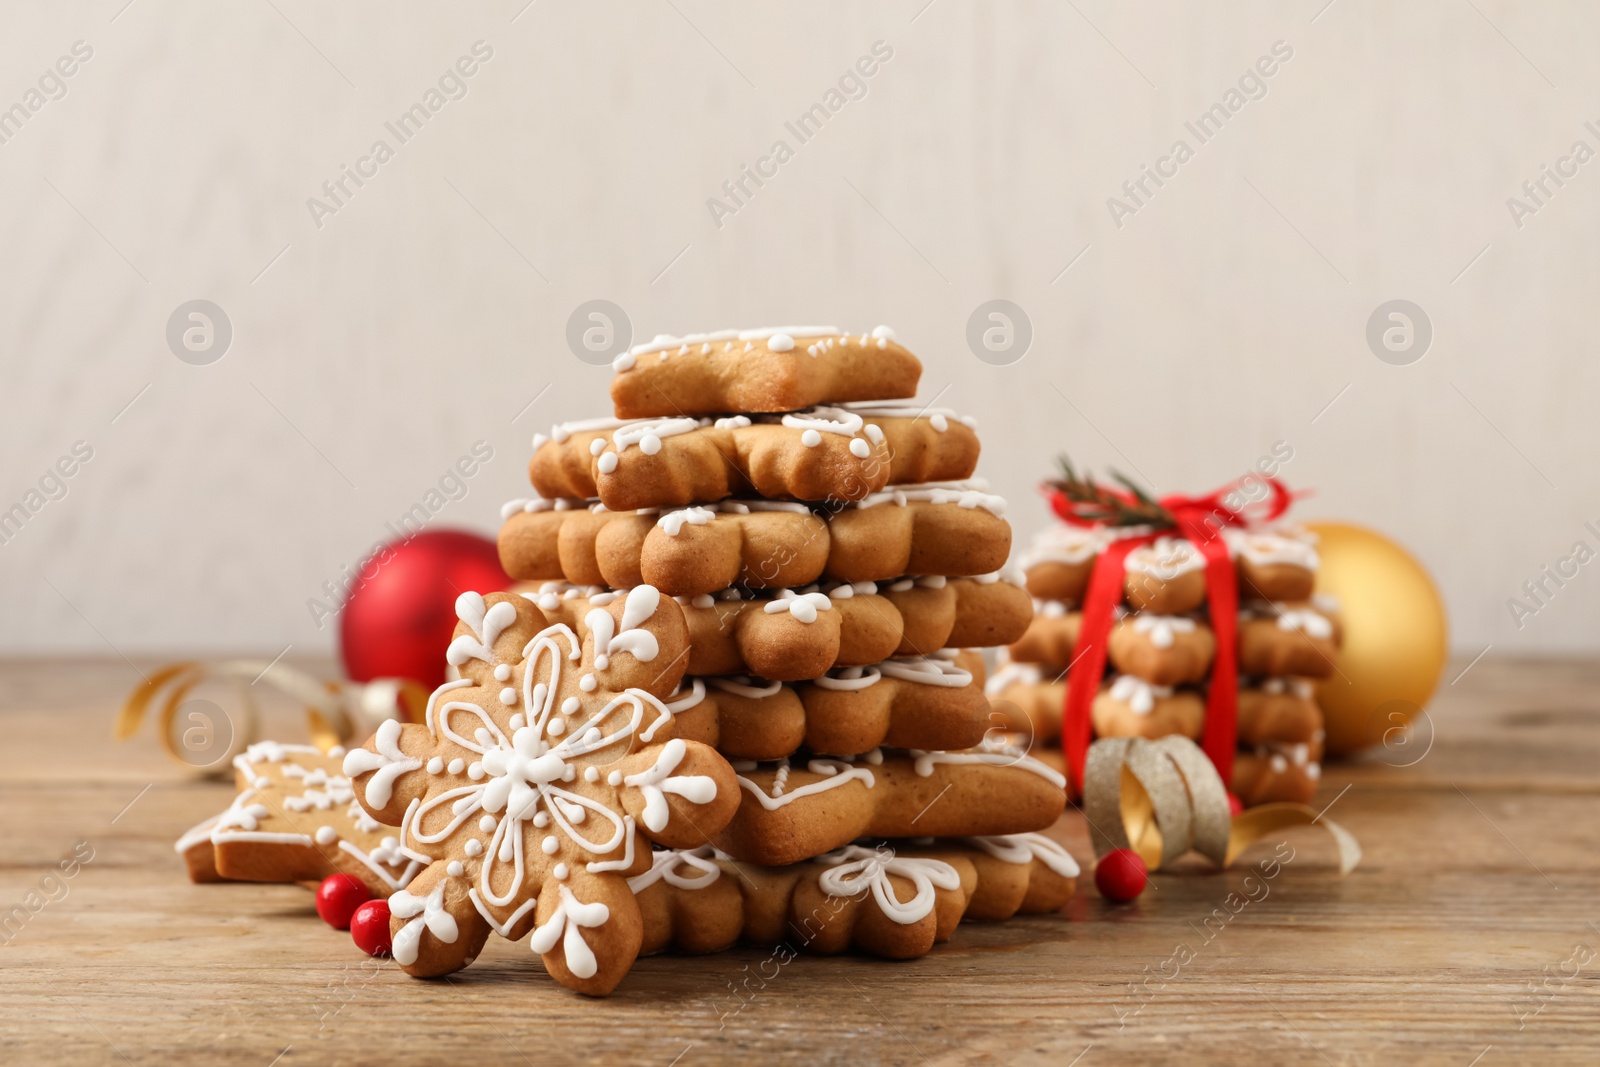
[938,612]
[781,368]
[1131,707]
[1287,639]
[1051,638]
[1162,649]
[1060,560]
[538,782]
[789,813]
[895,902]
[1278,772]
[869,899]
[933,702]
[1027,701]
[822,454]
[793,635]
[295,820]
[757,544]
[1017,874]
[1165,577]
[1274,564]
[1278,710]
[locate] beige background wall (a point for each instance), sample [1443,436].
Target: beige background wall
[369,353]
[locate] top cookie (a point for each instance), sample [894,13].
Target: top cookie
[779,368]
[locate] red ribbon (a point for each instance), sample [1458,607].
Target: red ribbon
[1201,521]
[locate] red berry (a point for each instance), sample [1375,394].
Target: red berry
[369,928]
[338,897]
[1120,875]
[1235,805]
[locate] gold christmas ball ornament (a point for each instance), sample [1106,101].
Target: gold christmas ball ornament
[1395,636]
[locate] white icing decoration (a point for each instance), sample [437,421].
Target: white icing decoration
[567,923]
[1308,622]
[658,781]
[1165,558]
[802,606]
[425,914]
[993,753]
[1025,848]
[1138,694]
[1162,629]
[927,671]
[1291,546]
[668,864]
[745,687]
[854,870]
[486,624]
[848,679]
[972,493]
[389,762]
[1010,674]
[837,773]
[673,521]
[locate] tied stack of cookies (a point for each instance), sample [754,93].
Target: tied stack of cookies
[818,567]
[1162,649]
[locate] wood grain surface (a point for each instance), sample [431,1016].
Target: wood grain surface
[1470,933]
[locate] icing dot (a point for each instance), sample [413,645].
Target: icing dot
[508,696]
[475,772]
[473,847]
[436,765]
[781,342]
[811,439]
[518,722]
[650,444]
[591,774]
[454,869]
[561,872]
[614,778]
[939,422]
[556,727]
[486,824]
[597,446]
[860,449]
[326,835]
[587,683]
[502,672]
[550,844]
[541,819]
[457,765]
[570,706]
[608,462]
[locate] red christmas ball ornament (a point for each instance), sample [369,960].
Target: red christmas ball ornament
[338,897]
[1235,805]
[401,610]
[369,928]
[1120,875]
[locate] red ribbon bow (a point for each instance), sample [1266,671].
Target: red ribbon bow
[1201,521]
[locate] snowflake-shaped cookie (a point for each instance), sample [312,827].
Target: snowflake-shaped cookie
[537,783]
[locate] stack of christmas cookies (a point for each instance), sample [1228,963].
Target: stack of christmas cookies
[739,699]
[1162,647]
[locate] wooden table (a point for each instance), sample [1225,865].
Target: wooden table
[1481,882]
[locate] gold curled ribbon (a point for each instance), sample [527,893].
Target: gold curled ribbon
[336,712]
[1163,798]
